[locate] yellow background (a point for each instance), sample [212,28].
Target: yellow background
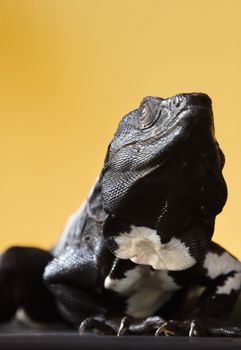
[69,70]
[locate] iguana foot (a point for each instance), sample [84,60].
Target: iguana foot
[127,326]
[130,326]
[199,327]
[96,325]
[171,328]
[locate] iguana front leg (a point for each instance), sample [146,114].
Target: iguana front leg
[221,276]
[72,278]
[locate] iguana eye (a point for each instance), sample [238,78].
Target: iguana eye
[146,117]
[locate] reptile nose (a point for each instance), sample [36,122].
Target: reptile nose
[200,99]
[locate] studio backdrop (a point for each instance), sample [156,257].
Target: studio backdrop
[70,69]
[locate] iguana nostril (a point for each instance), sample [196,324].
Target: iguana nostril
[178,100]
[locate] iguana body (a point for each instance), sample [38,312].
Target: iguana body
[128,258]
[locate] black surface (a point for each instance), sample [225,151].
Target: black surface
[70,341]
[17,336]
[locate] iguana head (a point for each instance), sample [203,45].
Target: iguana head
[162,182]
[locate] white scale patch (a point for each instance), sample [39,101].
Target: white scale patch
[142,245]
[147,290]
[223,264]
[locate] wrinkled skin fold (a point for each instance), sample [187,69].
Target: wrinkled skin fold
[137,257]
